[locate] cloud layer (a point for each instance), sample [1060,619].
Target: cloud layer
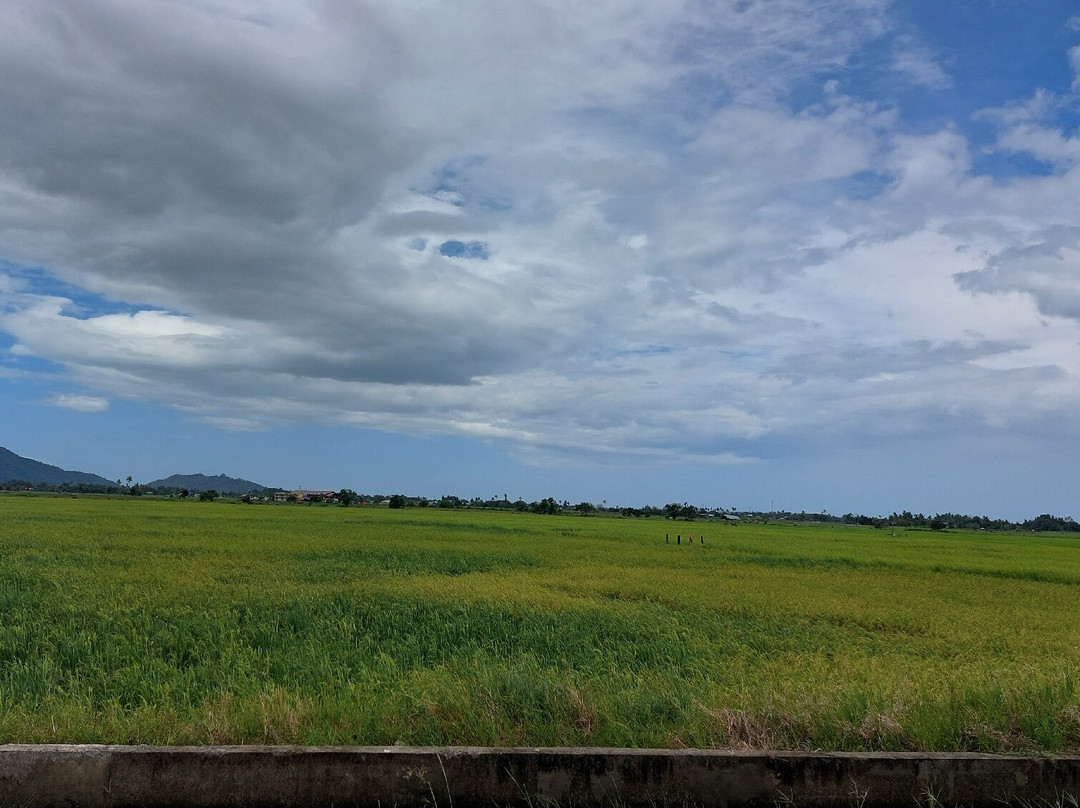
[593,231]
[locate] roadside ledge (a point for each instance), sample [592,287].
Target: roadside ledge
[75,776]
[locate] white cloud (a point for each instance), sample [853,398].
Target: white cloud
[681,261]
[1034,109]
[79,403]
[1043,143]
[918,63]
[234,424]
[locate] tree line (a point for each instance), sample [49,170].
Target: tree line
[551,507]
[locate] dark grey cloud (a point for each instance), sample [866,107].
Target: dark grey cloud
[137,109]
[855,362]
[206,171]
[1048,270]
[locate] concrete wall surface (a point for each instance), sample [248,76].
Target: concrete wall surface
[467,777]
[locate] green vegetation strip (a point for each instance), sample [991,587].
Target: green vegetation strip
[191,623]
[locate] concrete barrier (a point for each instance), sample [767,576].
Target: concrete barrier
[465,777]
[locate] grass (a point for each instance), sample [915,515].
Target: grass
[175,622]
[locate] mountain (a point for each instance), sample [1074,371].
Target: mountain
[13,467]
[200,482]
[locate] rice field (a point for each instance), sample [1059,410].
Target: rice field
[172,622]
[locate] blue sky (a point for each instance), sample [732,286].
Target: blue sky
[745,254]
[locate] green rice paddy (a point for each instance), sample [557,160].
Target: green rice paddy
[165,622]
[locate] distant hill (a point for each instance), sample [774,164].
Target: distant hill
[14,467]
[201,482]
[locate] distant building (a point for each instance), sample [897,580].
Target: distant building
[303,495]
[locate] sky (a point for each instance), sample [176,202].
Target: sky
[752,254]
